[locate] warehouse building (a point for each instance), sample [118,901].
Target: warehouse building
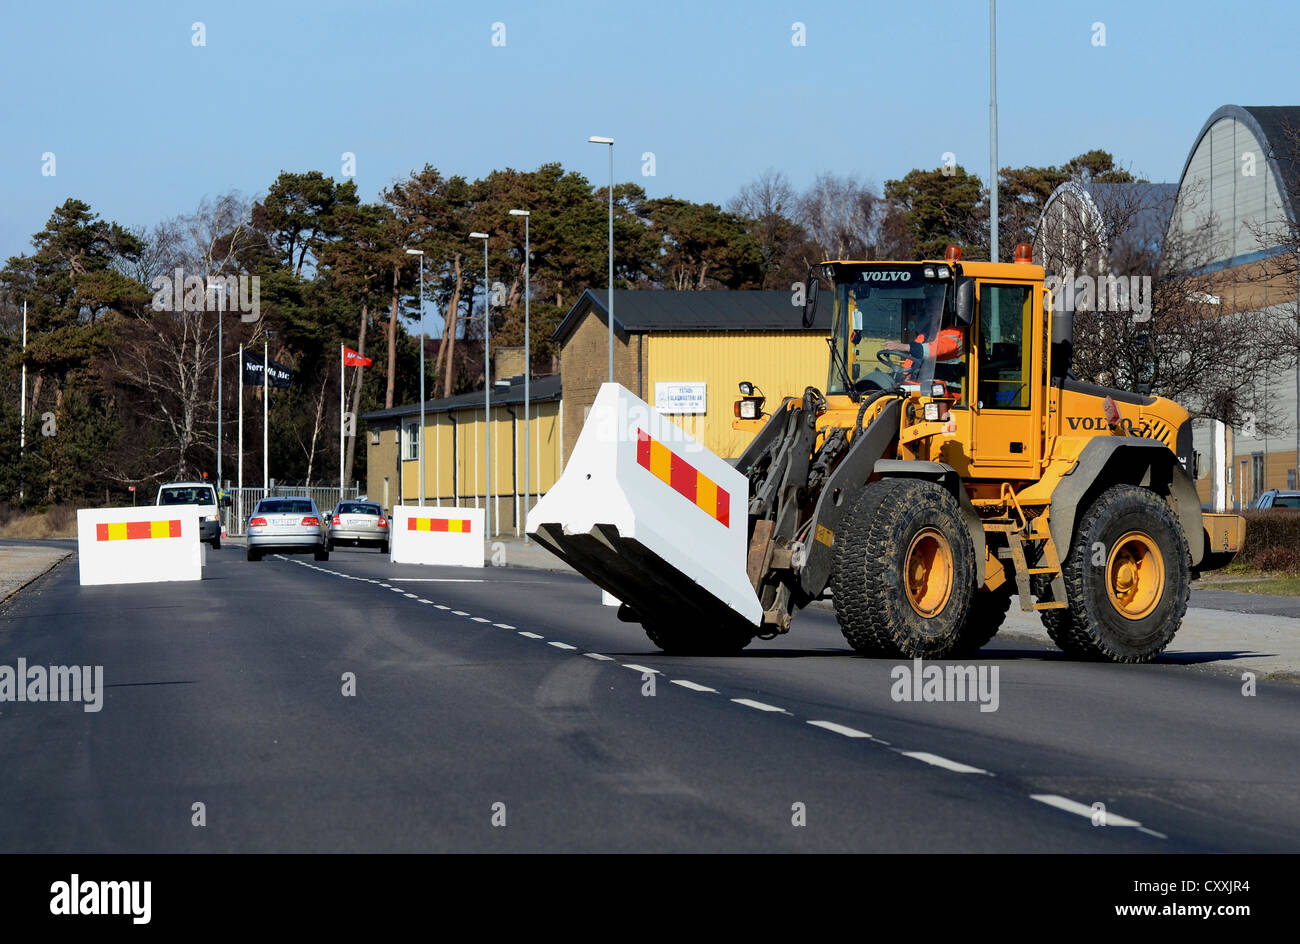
[685,353]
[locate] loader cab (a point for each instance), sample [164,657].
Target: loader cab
[1000,433]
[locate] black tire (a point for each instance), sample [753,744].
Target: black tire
[687,639]
[988,611]
[254,554]
[1093,626]
[383,549]
[322,554]
[216,543]
[328,547]
[876,612]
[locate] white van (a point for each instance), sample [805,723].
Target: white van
[196,493]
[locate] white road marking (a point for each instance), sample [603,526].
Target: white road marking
[936,761]
[503,626]
[479,619]
[761,706]
[398,590]
[441,607]
[531,635]
[387,586]
[423,600]
[640,668]
[693,686]
[1082,809]
[411,595]
[460,613]
[561,645]
[598,656]
[840,729]
[436,579]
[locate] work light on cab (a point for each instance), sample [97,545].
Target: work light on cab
[750,404]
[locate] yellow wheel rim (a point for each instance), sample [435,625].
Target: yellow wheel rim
[927,572]
[1135,575]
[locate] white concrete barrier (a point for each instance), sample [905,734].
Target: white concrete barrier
[432,535]
[650,515]
[149,544]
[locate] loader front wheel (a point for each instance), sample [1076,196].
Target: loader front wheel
[690,639]
[904,571]
[1127,579]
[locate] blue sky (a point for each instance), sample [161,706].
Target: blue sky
[143,124]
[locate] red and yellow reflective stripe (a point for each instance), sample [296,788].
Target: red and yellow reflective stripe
[452,525]
[137,530]
[683,478]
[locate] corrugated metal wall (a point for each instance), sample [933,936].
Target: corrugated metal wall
[782,364]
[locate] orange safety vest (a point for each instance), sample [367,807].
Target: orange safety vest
[946,350]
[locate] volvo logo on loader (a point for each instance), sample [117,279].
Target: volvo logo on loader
[877,276]
[1097,422]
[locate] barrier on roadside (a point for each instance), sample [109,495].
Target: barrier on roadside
[139,545]
[433,535]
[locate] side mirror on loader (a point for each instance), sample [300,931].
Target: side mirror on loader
[810,288]
[1062,342]
[965,308]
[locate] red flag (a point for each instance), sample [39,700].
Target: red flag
[352,359]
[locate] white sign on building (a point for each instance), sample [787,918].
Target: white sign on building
[680,398]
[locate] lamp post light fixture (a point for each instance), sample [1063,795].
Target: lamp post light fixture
[487,381]
[419,442]
[527,362]
[596,139]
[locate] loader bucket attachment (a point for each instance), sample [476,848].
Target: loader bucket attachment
[650,515]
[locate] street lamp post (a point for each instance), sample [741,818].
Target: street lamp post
[595,139]
[527,363]
[419,442]
[487,381]
[221,296]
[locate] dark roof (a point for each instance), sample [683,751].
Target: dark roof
[539,389]
[722,310]
[1277,128]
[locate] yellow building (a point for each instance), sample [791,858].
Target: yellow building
[455,451]
[685,353]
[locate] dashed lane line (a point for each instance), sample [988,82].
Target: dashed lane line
[761,706]
[935,760]
[840,729]
[693,686]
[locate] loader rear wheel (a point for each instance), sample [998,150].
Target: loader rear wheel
[988,611]
[688,639]
[1127,579]
[904,571]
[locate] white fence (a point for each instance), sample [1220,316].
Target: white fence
[244,500]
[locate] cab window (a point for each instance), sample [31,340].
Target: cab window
[1004,347]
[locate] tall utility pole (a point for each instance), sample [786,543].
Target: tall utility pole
[596,139]
[487,382]
[528,369]
[419,441]
[993,131]
[22,414]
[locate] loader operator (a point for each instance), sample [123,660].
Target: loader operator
[946,350]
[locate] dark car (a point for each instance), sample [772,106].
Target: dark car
[1279,498]
[357,524]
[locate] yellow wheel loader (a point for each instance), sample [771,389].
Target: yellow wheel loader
[950,463]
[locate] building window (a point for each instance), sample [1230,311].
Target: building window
[1290,479]
[411,441]
[374,437]
[1256,475]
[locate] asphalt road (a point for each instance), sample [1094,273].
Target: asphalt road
[515,687]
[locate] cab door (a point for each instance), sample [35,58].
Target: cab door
[1004,396]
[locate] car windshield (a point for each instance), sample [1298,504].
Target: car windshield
[1286,501]
[357,508]
[189,495]
[874,307]
[283,506]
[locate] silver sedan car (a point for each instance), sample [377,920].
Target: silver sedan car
[358,524]
[287,525]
